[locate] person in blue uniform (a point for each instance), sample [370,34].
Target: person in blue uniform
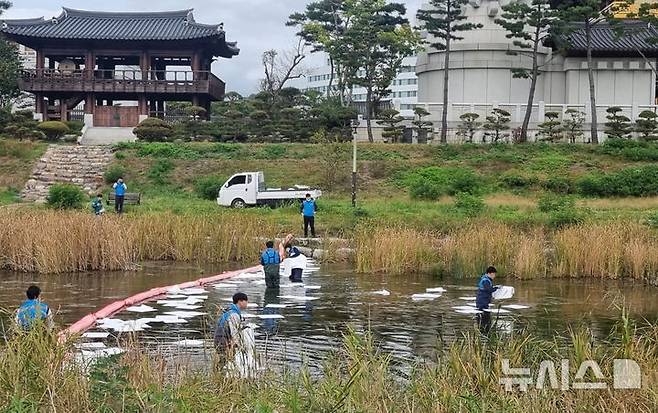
[32,311]
[308,210]
[486,289]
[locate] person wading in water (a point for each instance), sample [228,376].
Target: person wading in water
[486,289]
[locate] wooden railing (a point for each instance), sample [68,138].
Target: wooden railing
[123,81]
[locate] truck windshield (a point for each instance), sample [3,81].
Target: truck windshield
[237,180]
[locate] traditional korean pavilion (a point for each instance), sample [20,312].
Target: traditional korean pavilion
[138,59]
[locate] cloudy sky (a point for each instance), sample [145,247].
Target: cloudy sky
[256,25]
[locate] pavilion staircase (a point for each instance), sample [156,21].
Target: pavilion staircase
[79,165]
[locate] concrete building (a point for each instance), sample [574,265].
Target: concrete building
[481,72]
[404,88]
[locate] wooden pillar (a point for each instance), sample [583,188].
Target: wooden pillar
[153,108]
[41,61]
[143,105]
[63,110]
[51,63]
[90,64]
[145,64]
[196,65]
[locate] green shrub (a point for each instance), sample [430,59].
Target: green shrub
[65,196]
[517,180]
[565,217]
[208,187]
[638,181]
[53,130]
[159,172]
[433,182]
[75,126]
[113,173]
[469,204]
[559,184]
[630,149]
[553,203]
[153,130]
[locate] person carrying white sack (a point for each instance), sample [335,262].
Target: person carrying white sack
[294,263]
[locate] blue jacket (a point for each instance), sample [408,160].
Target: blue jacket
[30,311]
[120,189]
[97,206]
[309,207]
[232,309]
[485,291]
[270,256]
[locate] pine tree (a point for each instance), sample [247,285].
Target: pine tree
[551,129]
[647,125]
[618,125]
[444,20]
[393,131]
[423,127]
[529,25]
[573,124]
[497,122]
[584,15]
[469,125]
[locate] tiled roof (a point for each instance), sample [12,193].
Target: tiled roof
[637,35]
[91,25]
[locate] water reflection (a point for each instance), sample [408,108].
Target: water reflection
[405,328]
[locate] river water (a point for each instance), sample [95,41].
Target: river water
[340,299]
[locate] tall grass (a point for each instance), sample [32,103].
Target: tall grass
[611,250]
[57,242]
[357,378]
[394,250]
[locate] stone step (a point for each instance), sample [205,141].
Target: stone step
[79,165]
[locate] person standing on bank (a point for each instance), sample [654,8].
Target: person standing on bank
[308,209]
[119,194]
[33,310]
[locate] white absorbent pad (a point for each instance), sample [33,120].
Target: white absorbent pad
[503,292]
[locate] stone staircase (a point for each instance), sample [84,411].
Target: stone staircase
[79,165]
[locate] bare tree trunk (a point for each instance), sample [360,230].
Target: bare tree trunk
[446,74]
[369,113]
[592,91]
[531,94]
[331,77]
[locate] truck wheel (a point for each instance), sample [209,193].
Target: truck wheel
[238,203]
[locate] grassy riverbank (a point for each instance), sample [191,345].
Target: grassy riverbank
[465,376]
[446,208]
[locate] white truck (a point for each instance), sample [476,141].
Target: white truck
[248,189]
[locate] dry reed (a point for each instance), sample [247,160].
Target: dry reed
[395,250]
[589,250]
[58,242]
